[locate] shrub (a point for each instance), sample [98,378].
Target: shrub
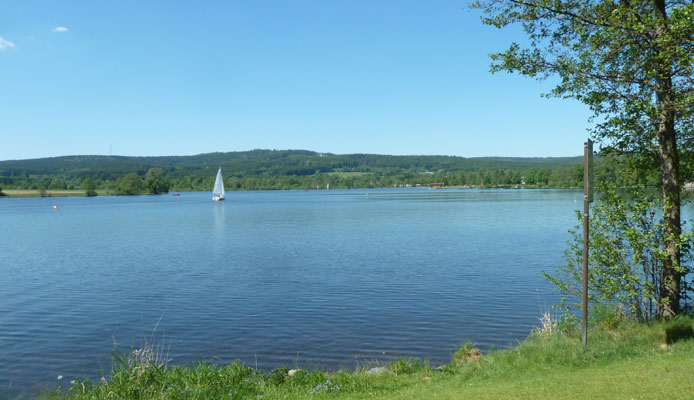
[626,257]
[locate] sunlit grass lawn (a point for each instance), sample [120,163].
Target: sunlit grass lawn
[624,360]
[668,375]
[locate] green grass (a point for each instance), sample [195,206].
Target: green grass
[624,360]
[48,193]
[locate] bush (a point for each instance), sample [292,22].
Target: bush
[626,257]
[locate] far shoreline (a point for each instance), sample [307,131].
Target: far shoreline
[29,193]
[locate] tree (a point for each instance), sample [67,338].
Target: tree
[57,184]
[632,63]
[155,181]
[130,184]
[89,187]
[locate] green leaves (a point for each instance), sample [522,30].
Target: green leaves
[626,255]
[89,187]
[130,184]
[155,181]
[612,56]
[631,63]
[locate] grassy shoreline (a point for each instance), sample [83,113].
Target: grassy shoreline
[13,193]
[625,360]
[9,193]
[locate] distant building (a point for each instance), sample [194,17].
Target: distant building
[435,185]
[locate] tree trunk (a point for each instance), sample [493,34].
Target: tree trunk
[670,281]
[669,164]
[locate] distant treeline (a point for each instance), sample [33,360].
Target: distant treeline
[299,169]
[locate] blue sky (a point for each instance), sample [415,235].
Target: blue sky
[189,77]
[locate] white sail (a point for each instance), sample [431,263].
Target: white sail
[218,190]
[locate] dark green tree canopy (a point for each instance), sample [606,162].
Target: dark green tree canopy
[155,181]
[130,184]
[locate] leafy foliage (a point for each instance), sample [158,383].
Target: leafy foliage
[155,181]
[617,57]
[298,169]
[130,184]
[89,187]
[632,63]
[625,260]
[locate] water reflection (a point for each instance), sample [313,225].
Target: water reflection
[219,220]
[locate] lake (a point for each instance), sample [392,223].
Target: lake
[323,279]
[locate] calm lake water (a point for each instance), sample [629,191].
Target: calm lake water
[323,279]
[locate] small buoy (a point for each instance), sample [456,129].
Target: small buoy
[55,207]
[574,200]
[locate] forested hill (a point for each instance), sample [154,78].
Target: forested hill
[277,169]
[267,162]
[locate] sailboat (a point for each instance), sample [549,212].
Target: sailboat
[218,191]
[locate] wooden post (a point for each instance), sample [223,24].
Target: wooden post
[587,199]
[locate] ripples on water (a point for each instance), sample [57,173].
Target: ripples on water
[324,279]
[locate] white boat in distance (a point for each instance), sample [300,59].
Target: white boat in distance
[218,191]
